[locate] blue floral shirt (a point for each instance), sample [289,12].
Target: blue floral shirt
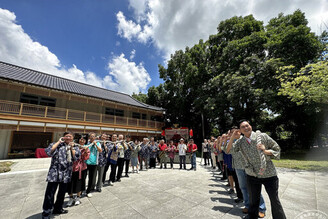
[60,169]
[153,151]
[144,151]
[112,153]
[102,159]
[127,152]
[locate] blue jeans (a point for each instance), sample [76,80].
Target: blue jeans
[241,175]
[193,160]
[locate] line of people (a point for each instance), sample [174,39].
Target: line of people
[72,162]
[244,158]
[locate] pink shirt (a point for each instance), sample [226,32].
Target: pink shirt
[171,150]
[80,165]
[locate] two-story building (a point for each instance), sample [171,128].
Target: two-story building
[36,108]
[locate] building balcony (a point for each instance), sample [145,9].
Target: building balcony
[36,113]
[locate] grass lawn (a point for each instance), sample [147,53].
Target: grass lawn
[314,159]
[302,164]
[5,166]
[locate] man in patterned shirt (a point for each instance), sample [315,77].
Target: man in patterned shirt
[252,150]
[62,154]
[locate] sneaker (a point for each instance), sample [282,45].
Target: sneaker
[89,195]
[137,171]
[238,200]
[46,215]
[231,191]
[118,180]
[111,184]
[98,190]
[126,175]
[77,201]
[70,202]
[62,211]
[195,169]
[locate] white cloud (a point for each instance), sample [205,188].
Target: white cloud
[132,54]
[127,75]
[127,29]
[172,25]
[18,48]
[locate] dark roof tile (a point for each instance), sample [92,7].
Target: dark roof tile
[24,75]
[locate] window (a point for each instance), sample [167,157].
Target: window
[110,111]
[157,118]
[33,99]
[144,116]
[136,115]
[119,112]
[114,112]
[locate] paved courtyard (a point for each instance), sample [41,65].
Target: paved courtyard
[157,193]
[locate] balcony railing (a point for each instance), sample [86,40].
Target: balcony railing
[24,109]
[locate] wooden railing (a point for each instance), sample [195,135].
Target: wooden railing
[24,109]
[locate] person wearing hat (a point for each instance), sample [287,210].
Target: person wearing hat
[182,153]
[192,148]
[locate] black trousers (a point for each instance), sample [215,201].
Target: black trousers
[271,185]
[48,201]
[182,160]
[92,172]
[217,161]
[220,165]
[171,162]
[112,172]
[225,172]
[238,190]
[152,162]
[206,158]
[127,165]
[105,172]
[120,165]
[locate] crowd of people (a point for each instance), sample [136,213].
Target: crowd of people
[72,162]
[243,157]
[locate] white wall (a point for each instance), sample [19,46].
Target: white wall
[4,143]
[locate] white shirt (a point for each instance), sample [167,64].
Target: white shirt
[182,149]
[248,140]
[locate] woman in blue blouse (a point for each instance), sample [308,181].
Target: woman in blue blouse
[92,162]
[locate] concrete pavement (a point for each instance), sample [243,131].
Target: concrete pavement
[157,193]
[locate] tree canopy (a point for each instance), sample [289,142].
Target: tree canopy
[273,75]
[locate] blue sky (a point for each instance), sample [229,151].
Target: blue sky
[119,44]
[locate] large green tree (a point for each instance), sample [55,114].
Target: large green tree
[236,74]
